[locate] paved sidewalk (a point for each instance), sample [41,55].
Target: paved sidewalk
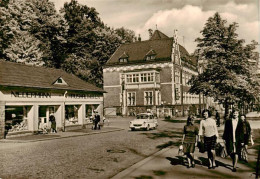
[167,164]
[59,135]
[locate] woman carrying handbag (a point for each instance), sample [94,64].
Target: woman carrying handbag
[189,140]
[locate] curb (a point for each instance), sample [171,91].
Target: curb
[125,172]
[54,138]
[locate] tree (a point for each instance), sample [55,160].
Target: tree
[25,49]
[127,35]
[51,29]
[21,46]
[37,20]
[226,72]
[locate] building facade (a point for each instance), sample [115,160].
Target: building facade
[29,95]
[151,75]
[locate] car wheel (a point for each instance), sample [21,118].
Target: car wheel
[148,128]
[132,129]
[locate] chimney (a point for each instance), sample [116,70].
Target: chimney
[139,38]
[150,33]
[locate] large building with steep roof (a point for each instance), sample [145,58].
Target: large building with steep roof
[150,75]
[30,94]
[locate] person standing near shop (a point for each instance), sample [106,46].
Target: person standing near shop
[208,129]
[97,120]
[53,124]
[234,137]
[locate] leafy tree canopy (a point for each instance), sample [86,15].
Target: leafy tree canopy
[227,64]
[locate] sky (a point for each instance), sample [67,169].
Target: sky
[187,16]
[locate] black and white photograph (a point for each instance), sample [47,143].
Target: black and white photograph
[129,89]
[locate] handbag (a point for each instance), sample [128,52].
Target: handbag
[180,151]
[223,153]
[201,147]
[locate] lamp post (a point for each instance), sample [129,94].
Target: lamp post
[64,110]
[123,89]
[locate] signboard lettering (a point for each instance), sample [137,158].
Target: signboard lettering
[30,94]
[17,94]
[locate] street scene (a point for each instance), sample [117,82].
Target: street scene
[121,89]
[114,152]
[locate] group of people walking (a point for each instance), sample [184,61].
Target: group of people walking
[236,136]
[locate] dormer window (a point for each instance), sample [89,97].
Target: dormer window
[150,55]
[123,58]
[60,81]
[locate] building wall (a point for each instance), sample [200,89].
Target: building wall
[112,97]
[2,119]
[111,78]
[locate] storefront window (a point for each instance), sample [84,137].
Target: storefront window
[16,118]
[71,114]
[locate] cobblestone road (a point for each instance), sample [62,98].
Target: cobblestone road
[91,156]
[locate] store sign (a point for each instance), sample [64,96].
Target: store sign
[83,96]
[49,95]
[30,94]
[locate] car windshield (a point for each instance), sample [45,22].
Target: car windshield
[142,116]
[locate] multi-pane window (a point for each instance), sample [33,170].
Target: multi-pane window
[148,98]
[142,77]
[129,78]
[131,98]
[150,77]
[135,78]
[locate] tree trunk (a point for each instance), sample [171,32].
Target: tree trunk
[226,105]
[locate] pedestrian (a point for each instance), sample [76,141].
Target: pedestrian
[189,140]
[208,129]
[234,137]
[217,116]
[53,123]
[247,134]
[97,120]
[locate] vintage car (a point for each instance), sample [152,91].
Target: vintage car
[143,121]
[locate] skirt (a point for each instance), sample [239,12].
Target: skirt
[188,148]
[210,143]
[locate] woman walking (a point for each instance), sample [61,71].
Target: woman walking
[247,136]
[189,140]
[208,129]
[234,137]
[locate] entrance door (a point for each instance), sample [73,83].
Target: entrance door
[44,115]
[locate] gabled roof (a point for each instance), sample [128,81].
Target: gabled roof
[124,55]
[137,51]
[157,35]
[151,52]
[20,75]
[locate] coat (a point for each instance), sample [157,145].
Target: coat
[228,135]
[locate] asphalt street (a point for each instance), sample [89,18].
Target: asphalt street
[91,156]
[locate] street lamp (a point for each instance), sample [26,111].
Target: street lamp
[123,89]
[64,116]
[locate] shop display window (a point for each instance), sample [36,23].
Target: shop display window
[71,114]
[16,118]
[90,112]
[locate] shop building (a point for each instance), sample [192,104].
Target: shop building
[151,75]
[30,94]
